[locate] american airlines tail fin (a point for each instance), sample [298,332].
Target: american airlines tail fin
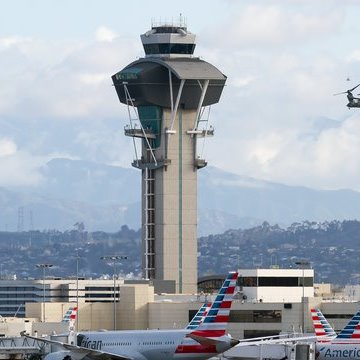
[215,321]
[70,315]
[321,326]
[199,316]
[352,329]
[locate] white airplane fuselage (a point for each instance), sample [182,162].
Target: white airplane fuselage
[338,350]
[151,344]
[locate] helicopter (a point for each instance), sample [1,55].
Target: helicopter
[354,102]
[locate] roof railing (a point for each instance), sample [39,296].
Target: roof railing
[180,23]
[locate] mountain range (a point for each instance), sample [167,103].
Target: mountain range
[106,197]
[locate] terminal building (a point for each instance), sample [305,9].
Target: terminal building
[14,294]
[267,302]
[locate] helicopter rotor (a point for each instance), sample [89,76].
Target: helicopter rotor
[344,92]
[354,87]
[350,90]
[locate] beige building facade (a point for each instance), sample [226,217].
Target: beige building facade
[257,309]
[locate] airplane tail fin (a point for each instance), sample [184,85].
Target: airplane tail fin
[321,326]
[199,316]
[352,329]
[70,317]
[215,321]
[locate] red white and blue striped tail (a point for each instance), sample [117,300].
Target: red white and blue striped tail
[70,315]
[199,316]
[352,329]
[215,321]
[321,326]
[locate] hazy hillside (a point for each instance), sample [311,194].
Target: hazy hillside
[332,248]
[107,197]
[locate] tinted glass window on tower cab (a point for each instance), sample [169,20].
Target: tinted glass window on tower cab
[169,48]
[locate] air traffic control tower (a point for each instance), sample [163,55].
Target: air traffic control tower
[168,94]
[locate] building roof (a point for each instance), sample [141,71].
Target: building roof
[187,68]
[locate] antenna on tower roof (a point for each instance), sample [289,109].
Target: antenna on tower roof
[182,20]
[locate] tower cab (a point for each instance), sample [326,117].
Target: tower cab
[169,41]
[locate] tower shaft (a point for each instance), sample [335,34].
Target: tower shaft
[169,200]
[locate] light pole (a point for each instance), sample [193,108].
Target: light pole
[114,259]
[302,264]
[44,267]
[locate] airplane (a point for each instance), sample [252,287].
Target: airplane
[345,346]
[206,340]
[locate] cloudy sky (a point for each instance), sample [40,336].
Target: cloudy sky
[277,119]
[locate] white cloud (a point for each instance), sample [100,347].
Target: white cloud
[107,145]
[8,41]
[7,147]
[240,182]
[265,149]
[77,84]
[93,79]
[277,24]
[315,24]
[18,168]
[265,127]
[105,34]
[354,56]
[329,160]
[242,81]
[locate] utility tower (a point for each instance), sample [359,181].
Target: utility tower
[168,94]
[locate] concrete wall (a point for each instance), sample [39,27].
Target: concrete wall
[134,307]
[170,315]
